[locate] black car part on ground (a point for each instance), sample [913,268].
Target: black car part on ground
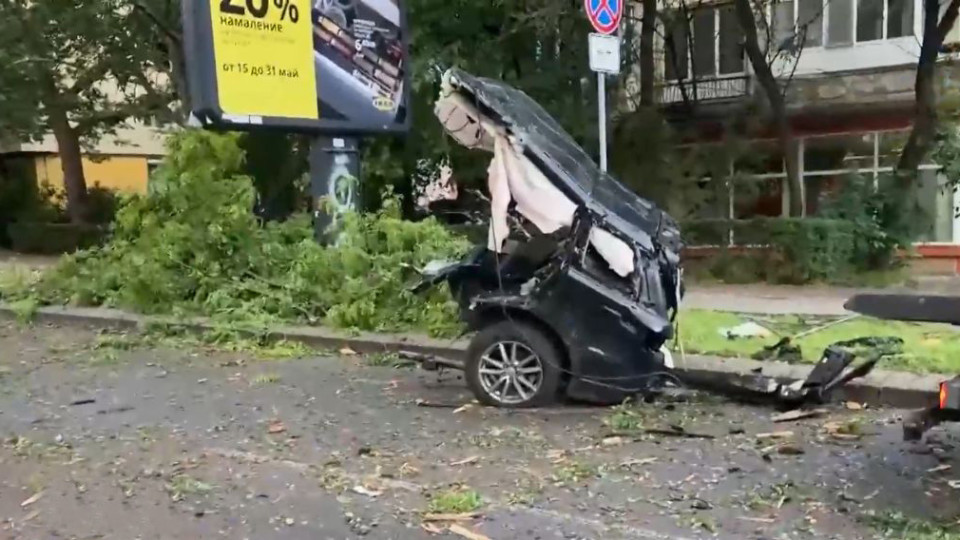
[918,308]
[836,368]
[609,314]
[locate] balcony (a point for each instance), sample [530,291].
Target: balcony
[705,90]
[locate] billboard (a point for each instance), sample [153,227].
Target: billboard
[321,66]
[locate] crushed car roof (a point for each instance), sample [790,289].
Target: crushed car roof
[546,143]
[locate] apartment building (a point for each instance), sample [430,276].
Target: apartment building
[120,162]
[847,68]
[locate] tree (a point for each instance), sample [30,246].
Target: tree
[648,28]
[773,91]
[539,46]
[925,120]
[77,69]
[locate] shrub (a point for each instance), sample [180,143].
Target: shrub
[193,246]
[790,250]
[54,238]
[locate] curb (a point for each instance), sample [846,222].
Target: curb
[880,388]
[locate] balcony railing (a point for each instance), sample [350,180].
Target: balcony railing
[703,90]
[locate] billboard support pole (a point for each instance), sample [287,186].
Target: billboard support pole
[334,183]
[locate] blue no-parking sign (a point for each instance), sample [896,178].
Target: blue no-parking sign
[604,15]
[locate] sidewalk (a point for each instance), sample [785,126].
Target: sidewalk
[10,259]
[801,300]
[770,299]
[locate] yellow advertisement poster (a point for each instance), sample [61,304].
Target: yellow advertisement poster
[264,57]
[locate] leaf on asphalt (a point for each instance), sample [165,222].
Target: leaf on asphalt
[798,415]
[366,491]
[939,468]
[466,461]
[463,408]
[613,441]
[36,497]
[854,406]
[775,435]
[466,533]
[31,516]
[276,426]
[636,462]
[789,449]
[465,516]
[347,351]
[431,528]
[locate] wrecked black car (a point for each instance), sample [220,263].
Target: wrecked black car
[576,288]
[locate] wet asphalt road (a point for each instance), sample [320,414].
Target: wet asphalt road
[136,442]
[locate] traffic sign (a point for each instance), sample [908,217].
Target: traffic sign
[604,15]
[605,54]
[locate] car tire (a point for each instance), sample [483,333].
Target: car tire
[514,364]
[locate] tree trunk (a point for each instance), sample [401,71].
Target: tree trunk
[178,73]
[778,105]
[648,28]
[71,162]
[925,109]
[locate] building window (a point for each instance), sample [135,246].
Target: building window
[731,42]
[847,21]
[869,20]
[717,44]
[840,27]
[810,22]
[783,19]
[675,49]
[704,43]
[899,18]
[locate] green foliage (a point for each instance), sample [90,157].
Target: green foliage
[63,55]
[625,417]
[895,525]
[455,501]
[927,348]
[795,250]
[884,219]
[539,46]
[192,246]
[861,230]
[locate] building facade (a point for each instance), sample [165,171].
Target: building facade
[847,70]
[120,162]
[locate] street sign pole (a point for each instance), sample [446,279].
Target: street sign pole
[604,60]
[604,16]
[602,106]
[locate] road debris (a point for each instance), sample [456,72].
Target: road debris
[86,401]
[615,440]
[347,351]
[789,449]
[798,414]
[460,530]
[361,490]
[34,498]
[436,405]
[463,408]
[116,410]
[276,426]
[854,406]
[464,516]
[465,461]
[775,435]
[677,431]
[748,329]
